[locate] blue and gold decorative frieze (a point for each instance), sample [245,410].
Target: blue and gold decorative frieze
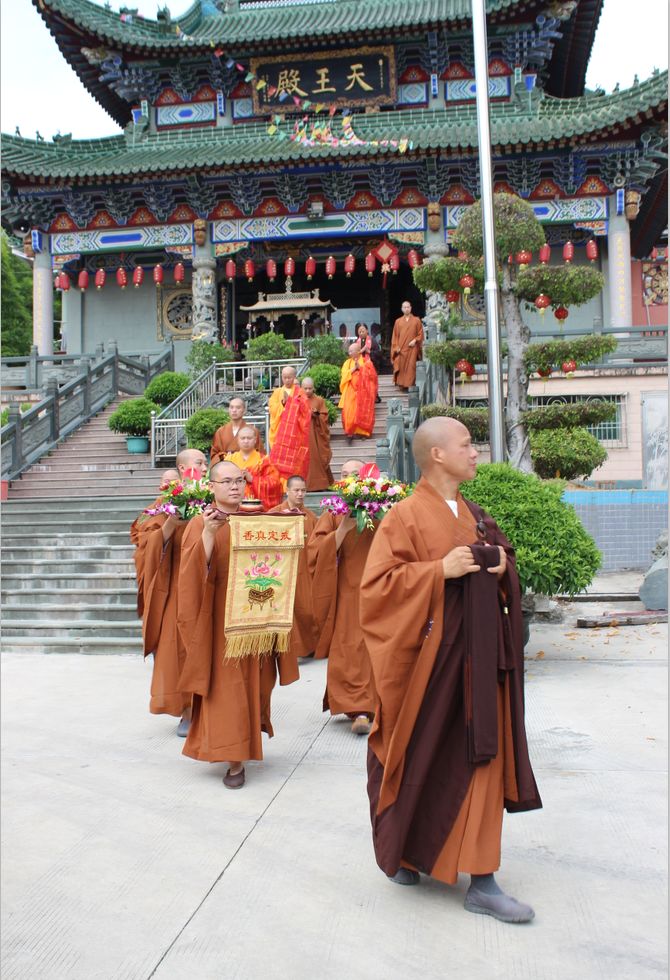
[186,114]
[330,225]
[121,239]
[465,89]
[562,211]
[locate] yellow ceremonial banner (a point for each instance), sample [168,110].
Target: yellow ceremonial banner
[264,554]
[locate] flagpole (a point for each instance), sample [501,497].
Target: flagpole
[493,345]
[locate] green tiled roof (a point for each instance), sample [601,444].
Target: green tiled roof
[235,146]
[265,23]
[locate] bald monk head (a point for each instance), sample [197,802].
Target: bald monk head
[288,376]
[352,467]
[168,476]
[443,451]
[192,464]
[307,386]
[227,481]
[354,349]
[246,440]
[236,409]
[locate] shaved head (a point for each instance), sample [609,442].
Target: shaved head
[224,468]
[237,401]
[354,349]
[351,467]
[170,475]
[288,375]
[443,451]
[192,464]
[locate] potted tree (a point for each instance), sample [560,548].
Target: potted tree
[133,419]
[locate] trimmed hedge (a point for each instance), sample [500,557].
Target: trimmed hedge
[324,349]
[133,417]
[570,454]
[202,353]
[269,347]
[476,420]
[200,428]
[326,378]
[166,387]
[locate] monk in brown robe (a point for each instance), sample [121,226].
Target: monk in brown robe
[167,477]
[231,698]
[304,633]
[225,438]
[337,554]
[320,475]
[406,343]
[441,616]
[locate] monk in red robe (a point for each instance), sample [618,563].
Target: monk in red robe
[406,344]
[358,385]
[440,609]
[231,697]
[304,633]
[290,420]
[320,475]
[263,479]
[225,438]
[337,554]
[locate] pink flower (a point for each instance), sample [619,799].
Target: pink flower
[264,569]
[277,557]
[253,557]
[246,572]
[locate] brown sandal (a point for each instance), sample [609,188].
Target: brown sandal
[234,782]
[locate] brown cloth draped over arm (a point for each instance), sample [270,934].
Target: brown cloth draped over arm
[320,475]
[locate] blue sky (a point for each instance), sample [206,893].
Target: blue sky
[39,91]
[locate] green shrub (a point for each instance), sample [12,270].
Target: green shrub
[133,417]
[324,349]
[447,352]
[571,454]
[326,378]
[202,353]
[4,415]
[571,416]
[269,347]
[202,425]
[476,420]
[332,412]
[554,553]
[166,387]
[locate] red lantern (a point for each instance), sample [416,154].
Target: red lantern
[230,270]
[466,283]
[310,267]
[100,277]
[82,281]
[249,270]
[568,251]
[510,260]
[591,250]
[158,274]
[524,258]
[654,254]
[542,302]
[394,263]
[349,265]
[289,267]
[122,277]
[463,256]
[465,369]
[370,263]
[179,272]
[271,269]
[138,276]
[331,265]
[453,296]
[413,258]
[57,281]
[64,282]
[569,367]
[544,372]
[544,254]
[561,313]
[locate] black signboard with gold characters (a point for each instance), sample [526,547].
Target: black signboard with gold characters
[357,77]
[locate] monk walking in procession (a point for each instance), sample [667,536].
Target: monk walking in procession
[263,479]
[441,617]
[290,420]
[406,344]
[358,384]
[225,438]
[320,475]
[231,696]
[167,477]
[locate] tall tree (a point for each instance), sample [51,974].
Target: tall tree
[17,317]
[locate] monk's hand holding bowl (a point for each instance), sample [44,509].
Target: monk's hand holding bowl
[499,569]
[458,562]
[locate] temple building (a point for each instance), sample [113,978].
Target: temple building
[284,164]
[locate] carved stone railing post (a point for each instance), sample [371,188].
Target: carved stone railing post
[382,457]
[51,391]
[99,352]
[437,308]
[33,369]
[86,367]
[204,296]
[15,417]
[395,426]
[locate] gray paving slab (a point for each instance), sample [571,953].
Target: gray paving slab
[123,860]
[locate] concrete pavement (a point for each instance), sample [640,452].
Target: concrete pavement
[123,860]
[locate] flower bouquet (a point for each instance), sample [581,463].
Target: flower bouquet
[366,500]
[182,498]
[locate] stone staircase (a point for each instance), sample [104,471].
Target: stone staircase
[364,448]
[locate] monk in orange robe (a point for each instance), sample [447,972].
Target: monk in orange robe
[168,477]
[290,420]
[304,633]
[320,475]
[225,438]
[231,697]
[440,609]
[263,480]
[358,384]
[336,554]
[406,344]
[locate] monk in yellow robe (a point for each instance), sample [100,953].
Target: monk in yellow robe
[320,475]
[358,385]
[336,554]
[406,344]
[231,697]
[263,480]
[224,440]
[440,612]
[290,419]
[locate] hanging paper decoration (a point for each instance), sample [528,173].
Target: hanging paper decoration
[561,313]
[466,283]
[138,276]
[310,268]
[542,302]
[524,258]
[249,270]
[569,367]
[271,269]
[453,296]
[463,256]
[465,369]
[544,372]
[179,272]
[122,277]
[289,267]
[568,251]
[230,270]
[331,266]
[349,265]
[545,253]
[64,281]
[370,263]
[591,250]
[82,280]
[57,281]
[158,274]
[394,263]
[413,258]
[100,277]
[654,254]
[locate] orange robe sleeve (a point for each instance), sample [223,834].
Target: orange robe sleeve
[322,564]
[197,580]
[156,571]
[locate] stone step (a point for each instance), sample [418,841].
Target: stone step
[72,628]
[108,505]
[104,480]
[50,523]
[90,645]
[103,566]
[93,465]
[42,553]
[29,492]
[69,540]
[18,581]
[106,598]
[50,612]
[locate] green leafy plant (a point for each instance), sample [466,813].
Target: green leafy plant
[4,415]
[566,285]
[133,417]
[165,387]
[202,353]
[326,378]
[571,454]
[476,420]
[516,228]
[447,352]
[571,416]
[200,428]
[324,349]
[269,347]
[332,412]
[582,350]
[554,553]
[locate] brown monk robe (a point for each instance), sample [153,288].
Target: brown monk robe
[336,555]
[304,633]
[441,616]
[231,698]
[406,341]
[225,438]
[320,475]
[168,477]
